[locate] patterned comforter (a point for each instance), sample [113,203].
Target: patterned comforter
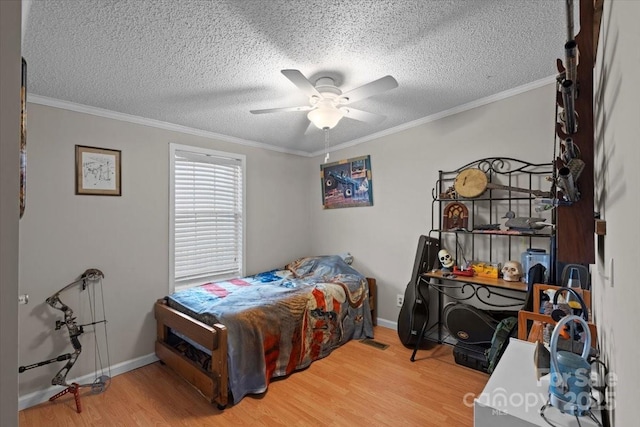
[280,321]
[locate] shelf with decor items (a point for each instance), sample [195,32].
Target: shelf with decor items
[494,209]
[480,281]
[485,214]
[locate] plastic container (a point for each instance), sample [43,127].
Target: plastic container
[533,256]
[574,282]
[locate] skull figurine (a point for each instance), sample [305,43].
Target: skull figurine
[446,259]
[512,271]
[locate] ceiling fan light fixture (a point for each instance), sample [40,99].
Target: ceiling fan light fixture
[328,105]
[325,117]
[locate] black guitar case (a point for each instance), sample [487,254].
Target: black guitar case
[469,324]
[415,311]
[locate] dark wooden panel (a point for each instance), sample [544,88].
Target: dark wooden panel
[576,223]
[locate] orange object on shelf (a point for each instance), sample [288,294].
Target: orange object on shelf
[485,269]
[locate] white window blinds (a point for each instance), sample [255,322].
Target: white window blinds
[208,215]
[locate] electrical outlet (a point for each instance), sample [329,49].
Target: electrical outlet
[399,300]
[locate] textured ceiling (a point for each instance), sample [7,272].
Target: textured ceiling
[205,64]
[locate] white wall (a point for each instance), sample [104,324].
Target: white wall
[617,171]
[383,238]
[9,211]
[62,234]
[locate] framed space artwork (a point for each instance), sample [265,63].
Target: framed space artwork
[347,183]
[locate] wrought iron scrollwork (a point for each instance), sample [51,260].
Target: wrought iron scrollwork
[474,290]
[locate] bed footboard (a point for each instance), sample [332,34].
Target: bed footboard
[213,383]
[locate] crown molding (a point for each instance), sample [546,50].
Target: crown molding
[450,112]
[101,112]
[80,108]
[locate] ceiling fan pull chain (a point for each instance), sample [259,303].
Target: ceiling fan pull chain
[326,145]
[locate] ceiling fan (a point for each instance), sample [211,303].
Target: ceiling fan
[327,103]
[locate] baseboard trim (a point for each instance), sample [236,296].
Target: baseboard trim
[38,397]
[387,323]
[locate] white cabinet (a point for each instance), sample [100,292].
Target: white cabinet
[513,396]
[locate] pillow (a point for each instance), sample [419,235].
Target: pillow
[320,267]
[346,257]
[302,266]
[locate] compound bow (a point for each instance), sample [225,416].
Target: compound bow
[102,381]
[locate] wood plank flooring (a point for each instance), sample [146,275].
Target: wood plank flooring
[357,385]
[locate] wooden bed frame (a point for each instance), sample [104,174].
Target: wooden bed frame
[214,382]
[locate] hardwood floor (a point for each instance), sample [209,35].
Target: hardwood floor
[357,385]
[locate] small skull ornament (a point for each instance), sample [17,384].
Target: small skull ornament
[512,271]
[446,259]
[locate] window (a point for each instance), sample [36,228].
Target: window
[207,215]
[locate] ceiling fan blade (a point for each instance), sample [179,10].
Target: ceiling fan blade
[283,109]
[362,116]
[373,88]
[298,79]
